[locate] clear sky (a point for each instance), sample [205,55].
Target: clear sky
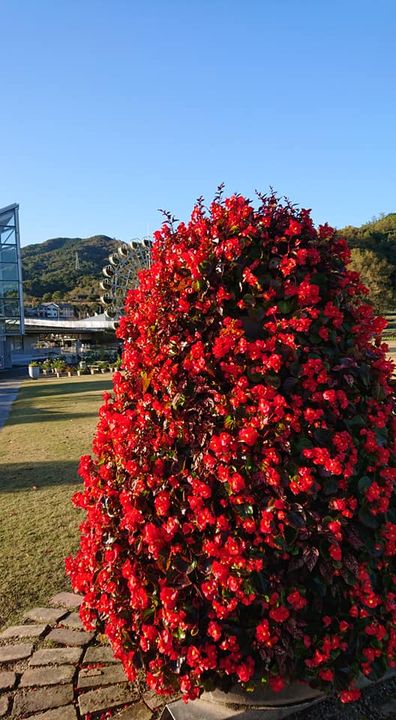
[112,109]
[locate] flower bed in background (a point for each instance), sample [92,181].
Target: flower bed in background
[241,521]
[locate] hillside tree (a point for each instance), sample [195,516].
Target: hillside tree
[376,273]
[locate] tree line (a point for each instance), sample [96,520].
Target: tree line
[69,269]
[374,257]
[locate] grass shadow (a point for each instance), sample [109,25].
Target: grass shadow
[33,476]
[68,399]
[70,386]
[34,415]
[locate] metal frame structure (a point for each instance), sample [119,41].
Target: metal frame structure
[11,289]
[121,274]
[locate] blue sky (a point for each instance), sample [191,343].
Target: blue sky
[113,109]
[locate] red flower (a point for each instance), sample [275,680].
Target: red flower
[347,696]
[244,464]
[263,632]
[335,552]
[248,435]
[222,345]
[162,503]
[245,670]
[327,675]
[276,683]
[296,600]
[294,228]
[280,614]
[214,630]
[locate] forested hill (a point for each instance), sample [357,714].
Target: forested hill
[65,268]
[70,269]
[379,235]
[374,257]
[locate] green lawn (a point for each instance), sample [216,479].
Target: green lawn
[50,426]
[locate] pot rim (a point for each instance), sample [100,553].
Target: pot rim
[295,693]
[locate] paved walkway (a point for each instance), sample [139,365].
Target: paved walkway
[51,669]
[10,381]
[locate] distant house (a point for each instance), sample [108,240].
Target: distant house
[52,310]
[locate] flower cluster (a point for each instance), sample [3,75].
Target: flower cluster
[240,510]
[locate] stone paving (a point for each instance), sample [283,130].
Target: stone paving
[51,669]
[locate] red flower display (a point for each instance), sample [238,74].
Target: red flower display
[240,509]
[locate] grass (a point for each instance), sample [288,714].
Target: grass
[50,426]
[392,354]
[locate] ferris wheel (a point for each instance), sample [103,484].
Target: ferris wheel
[121,274]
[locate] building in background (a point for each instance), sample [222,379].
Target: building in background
[11,294]
[51,310]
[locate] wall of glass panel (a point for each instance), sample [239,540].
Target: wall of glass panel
[11,297]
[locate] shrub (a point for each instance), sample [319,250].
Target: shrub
[59,364]
[240,517]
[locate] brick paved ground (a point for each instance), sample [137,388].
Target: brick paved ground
[51,669]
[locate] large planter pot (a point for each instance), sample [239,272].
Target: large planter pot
[261,704]
[34,371]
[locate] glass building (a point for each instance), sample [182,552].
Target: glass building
[11,297]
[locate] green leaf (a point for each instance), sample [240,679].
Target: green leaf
[247,510]
[330,485]
[289,384]
[319,278]
[303,442]
[295,519]
[381,435]
[178,400]
[229,422]
[364,374]
[148,613]
[392,515]
[146,379]
[364,483]
[286,306]
[310,556]
[257,313]
[322,436]
[348,577]
[249,299]
[368,519]
[273,380]
[379,668]
[320,586]
[255,377]
[355,422]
